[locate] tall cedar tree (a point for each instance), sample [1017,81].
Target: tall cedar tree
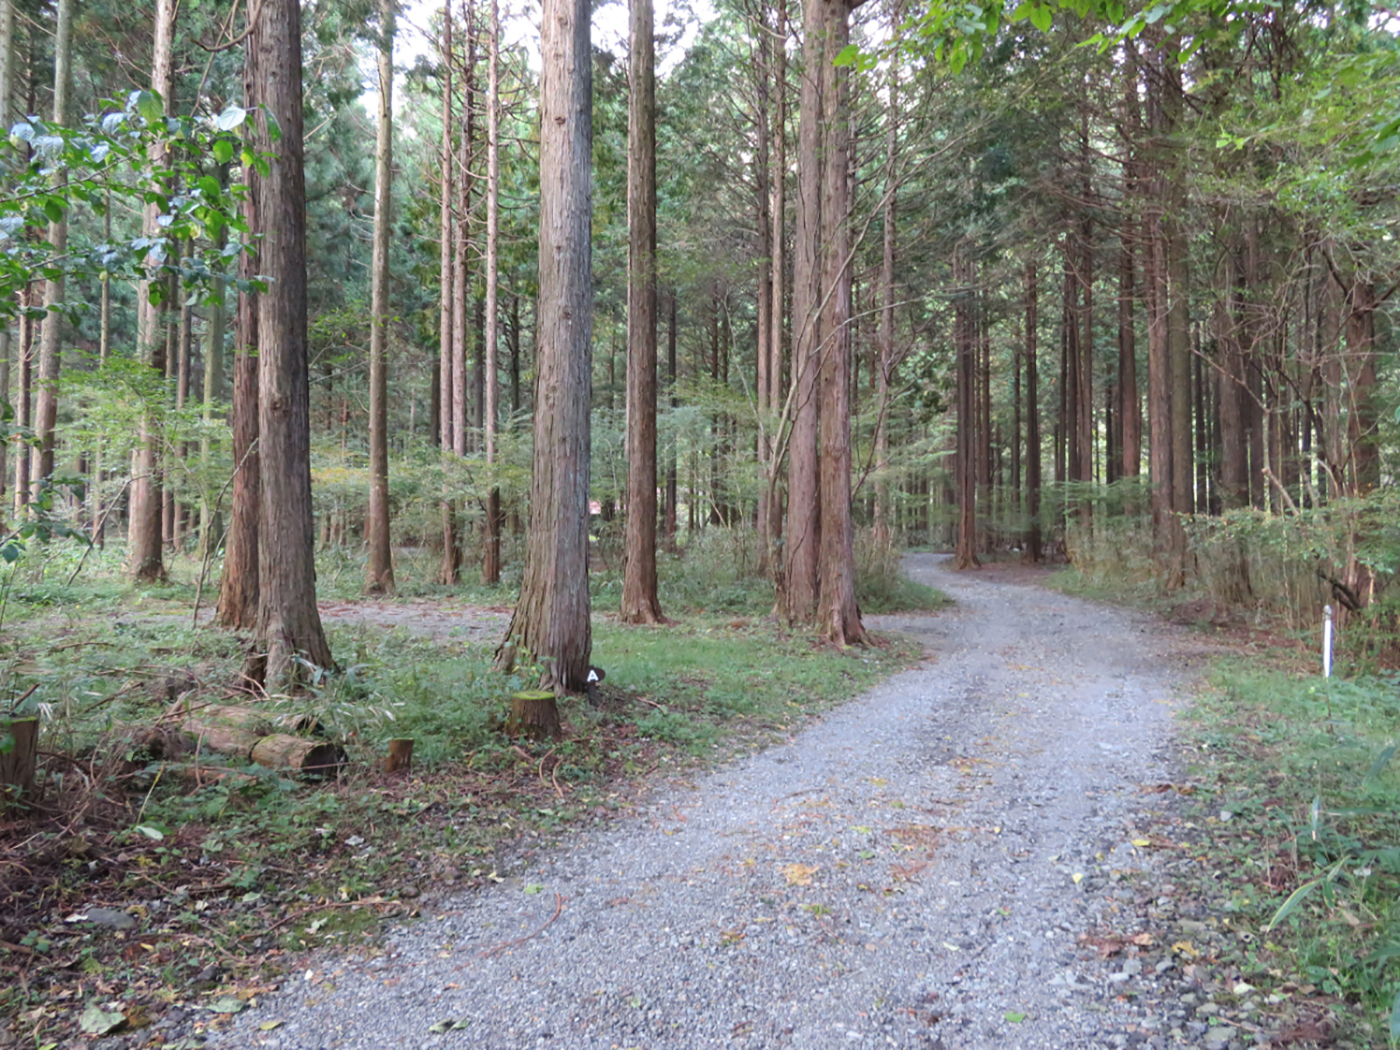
[640,603]
[379,578]
[550,626]
[289,633]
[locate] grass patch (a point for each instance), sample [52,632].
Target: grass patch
[1310,854]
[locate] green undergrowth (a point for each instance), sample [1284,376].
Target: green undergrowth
[1301,830]
[228,868]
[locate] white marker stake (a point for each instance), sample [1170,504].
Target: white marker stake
[1327,641]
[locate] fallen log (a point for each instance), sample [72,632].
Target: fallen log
[255,720]
[311,758]
[273,750]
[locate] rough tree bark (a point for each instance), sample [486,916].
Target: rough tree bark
[238,588]
[550,628]
[144,531]
[51,331]
[289,632]
[838,616]
[491,545]
[449,570]
[379,578]
[640,603]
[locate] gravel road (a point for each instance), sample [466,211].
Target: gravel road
[915,870]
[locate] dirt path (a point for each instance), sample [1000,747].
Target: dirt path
[914,871]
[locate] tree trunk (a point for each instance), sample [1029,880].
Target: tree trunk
[550,628]
[803,539]
[640,603]
[965,347]
[885,355]
[144,532]
[1362,414]
[449,569]
[491,545]
[379,578]
[1033,542]
[839,617]
[210,517]
[238,589]
[51,332]
[777,391]
[289,633]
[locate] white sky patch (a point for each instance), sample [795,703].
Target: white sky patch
[416,39]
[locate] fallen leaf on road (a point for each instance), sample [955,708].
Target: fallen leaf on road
[799,874]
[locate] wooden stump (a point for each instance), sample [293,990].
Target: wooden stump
[18,762]
[400,755]
[308,757]
[534,714]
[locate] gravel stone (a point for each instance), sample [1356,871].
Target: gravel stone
[916,870]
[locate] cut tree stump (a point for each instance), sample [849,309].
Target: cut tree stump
[534,714]
[17,764]
[400,755]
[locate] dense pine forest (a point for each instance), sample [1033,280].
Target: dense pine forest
[697,326]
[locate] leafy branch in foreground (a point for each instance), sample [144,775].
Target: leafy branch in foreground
[105,160]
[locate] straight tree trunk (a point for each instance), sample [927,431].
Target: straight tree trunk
[7,81]
[839,618]
[144,533]
[1362,414]
[803,539]
[550,627]
[1033,540]
[238,589]
[762,170]
[449,570]
[964,345]
[491,547]
[640,603]
[777,390]
[289,633]
[23,405]
[885,354]
[51,332]
[379,578]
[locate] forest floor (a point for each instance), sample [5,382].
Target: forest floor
[999,848]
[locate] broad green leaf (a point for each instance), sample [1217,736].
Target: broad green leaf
[97,1021]
[227,1005]
[1041,18]
[230,118]
[1015,1017]
[209,186]
[848,56]
[150,106]
[222,150]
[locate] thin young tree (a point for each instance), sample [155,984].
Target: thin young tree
[640,603]
[379,578]
[289,632]
[550,627]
